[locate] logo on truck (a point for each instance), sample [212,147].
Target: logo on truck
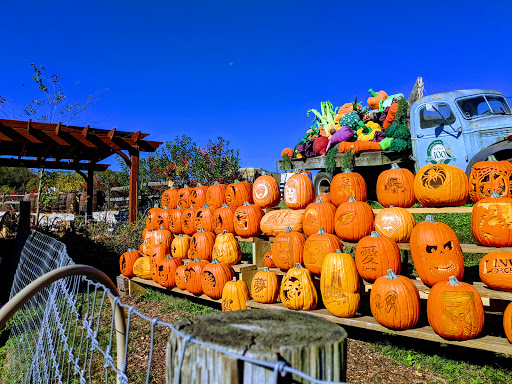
[438,153]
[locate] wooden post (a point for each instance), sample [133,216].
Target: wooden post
[319,351]
[21,238]
[133,205]
[90,191]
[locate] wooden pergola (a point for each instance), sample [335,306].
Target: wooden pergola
[29,144]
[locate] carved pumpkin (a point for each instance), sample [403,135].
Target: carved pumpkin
[375,255]
[268,260]
[265,191]
[297,289]
[325,197]
[436,252]
[223,219]
[170,198]
[345,185]
[265,286]
[154,219]
[318,246]
[157,253]
[441,185]
[339,284]
[193,272]
[180,277]
[237,193]
[160,236]
[395,223]
[491,221]
[216,195]
[126,262]
[227,249]
[197,196]
[507,322]
[213,278]
[188,226]
[299,191]
[395,186]
[180,246]
[142,268]
[455,310]
[318,215]
[276,221]
[167,271]
[201,245]
[234,295]
[175,220]
[490,176]
[204,218]
[495,270]
[288,249]
[247,220]
[353,220]
[183,197]
[395,301]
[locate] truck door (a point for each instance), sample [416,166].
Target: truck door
[438,139]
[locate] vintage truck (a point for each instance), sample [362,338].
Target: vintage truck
[457,128]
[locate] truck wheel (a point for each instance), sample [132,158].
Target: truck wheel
[322,183]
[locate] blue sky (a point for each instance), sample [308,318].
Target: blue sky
[248,71]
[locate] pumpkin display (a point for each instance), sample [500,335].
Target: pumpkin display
[179,246]
[265,191]
[216,195]
[226,249]
[170,198]
[325,197]
[197,196]
[268,260]
[193,272]
[188,226]
[396,223]
[441,185]
[167,271]
[345,185]
[298,290]
[183,197]
[318,215]
[339,284]
[237,193]
[395,186]
[299,191]
[318,246]
[353,220]
[265,286]
[142,267]
[288,249]
[490,176]
[455,310]
[395,301]
[436,252]
[495,270]
[175,220]
[223,219]
[214,277]
[276,221]
[375,255]
[126,262]
[204,218]
[507,322]
[491,221]
[246,220]
[201,245]
[181,283]
[234,295]
[154,219]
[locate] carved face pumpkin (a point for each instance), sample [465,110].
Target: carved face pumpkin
[490,176]
[291,288]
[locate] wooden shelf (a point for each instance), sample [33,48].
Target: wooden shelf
[466,248]
[151,283]
[433,211]
[238,268]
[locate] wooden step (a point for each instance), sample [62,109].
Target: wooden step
[466,248]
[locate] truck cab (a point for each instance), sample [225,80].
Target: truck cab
[460,128]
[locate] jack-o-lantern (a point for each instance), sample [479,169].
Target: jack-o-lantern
[170,198]
[126,262]
[325,197]
[183,197]
[227,249]
[288,249]
[193,272]
[490,176]
[188,226]
[395,222]
[179,246]
[299,191]
[175,220]
[159,236]
[216,195]
[142,267]
[223,219]
[347,184]
[395,186]
[154,219]
[237,193]
[495,270]
[201,245]
[441,185]
[353,220]
[234,295]
[268,260]
[491,221]
[436,252]
[213,278]
[375,255]
[318,215]
[197,196]
[298,290]
[167,271]
[246,220]
[180,277]
[157,253]
[276,221]
[265,286]
[204,218]
[265,191]
[507,322]
[318,246]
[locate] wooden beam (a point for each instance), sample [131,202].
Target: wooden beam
[133,196]
[11,162]
[57,129]
[29,128]
[125,158]
[111,133]
[136,136]
[85,131]
[22,150]
[90,191]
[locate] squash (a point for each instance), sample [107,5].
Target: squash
[126,262]
[318,215]
[353,220]
[395,223]
[441,185]
[214,277]
[167,271]
[490,176]
[288,249]
[201,245]
[237,193]
[375,98]
[180,246]
[395,187]
[216,195]
[226,249]
[223,219]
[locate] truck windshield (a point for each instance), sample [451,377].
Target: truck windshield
[483,105]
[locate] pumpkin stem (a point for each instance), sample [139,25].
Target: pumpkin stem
[265,269]
[288,230]
[319,200]
[495,195]
[296,171]
[224,205]
[205,205]
[373,92]
[298,266]
[263,173]
[162,227]
[246,203]
[492,158]
[199,185]
[391,275]
[215,261]
[429,219]
[165,207]
[201,230]
[180,235]
[352,199]
[168,256]
[185,186]
[338,251]
[374,234]
[391,206]
[452,280]
[130,250]
[196,259]
[321,231]
[236,181]
[234,279]
[156,205]
[395,166]
[223,232]
[178,207]
[347,170]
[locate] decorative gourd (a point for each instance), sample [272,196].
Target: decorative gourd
[318,246]
[287,151]
[495,270]
[325,197]
[490,176]
[395,301]
[353,220]
[175,220]
[216,195]
[181,283]
[491,221]
[237,193]
[247,220]
[436,252]
[154,219]
[204,218]
[183,197]
[318,215]
[455,310]
[142,268]
[268,260]
[375,255]
[265,191]
[188,226]
[375,98]
[223,219]
[507,322]
[288,249]
[297,289]
[126,262]
[197,196]
[213,278]
[441,185]
[265,286]
[167,271]
[366,132]
[395,223]
[201,245]
[298,191]
[347,184]
[234,295]
[179,246]
[170,198]
[276,221]
[226,249]
[395,186]
[339,284]
[193,272]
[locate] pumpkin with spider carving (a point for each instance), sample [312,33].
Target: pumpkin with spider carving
[441,185]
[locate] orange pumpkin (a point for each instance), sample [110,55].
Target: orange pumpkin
[298,290]
[180,246]
[157,254]
[197,196]
[395,223]
[287,151]
[227,249]
[318,215]
[347,184]
[318,246]
[234,295]
[183,197]
[441,185]
[276,221]
[507,322]
[298,191]
[166,216]
[353,220]
[180,280]
[204,218]
[154,219]
[175,220]
[167,271]
[491,221]
[126,262]
[142,268]
[325,197]
[490,176]
[288,249]
[193,272]
[201,245]
[161,236]
[188,226]
[214,277]
[268,260]
[395,186]
[237,193]
[223,219]
[265,286]
[247,220]
[170,198]
[216,195]
[265,191]
[495,270]
[375,255]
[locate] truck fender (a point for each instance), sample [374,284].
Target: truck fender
[502,146]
